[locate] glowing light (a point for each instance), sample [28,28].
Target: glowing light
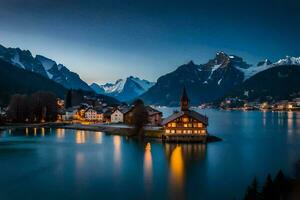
[26,131]
[43,132]
[148,165]
[60,133]
[34,131]
[80,137]
[117,152]
[177,168]
[98,137]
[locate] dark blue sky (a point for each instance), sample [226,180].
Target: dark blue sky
[107,40]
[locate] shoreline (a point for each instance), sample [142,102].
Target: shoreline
[110,129]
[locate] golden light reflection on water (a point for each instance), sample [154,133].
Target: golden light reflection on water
[180,158]
[117,152]
[80,137]
[43,132]
[26,131]
[176,171]
[60,133]
[290,121]
[148,166]
[98,138]
[34,131]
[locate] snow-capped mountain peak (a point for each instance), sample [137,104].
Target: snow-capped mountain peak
[43,66]
[288,61]
[123,89]
[266,64]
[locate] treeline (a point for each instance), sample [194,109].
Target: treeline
[272,189]
[38,107]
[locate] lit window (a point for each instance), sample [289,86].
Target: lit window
[172,131]
[185,125]
[185,119]
[203,131]
[169,124]
[200,125]
[184,131]
[178,131]
[189,131]
[167,131]
[190,125]
[173,124]
[195,131]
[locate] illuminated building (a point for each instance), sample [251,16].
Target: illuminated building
[186,125]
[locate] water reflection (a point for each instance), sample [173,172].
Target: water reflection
[180,157]
[98,138]
[290,121]
[34,131]
[177,169]
[117,153]
[60,133]
[43,132]
[80,137]
[148,166]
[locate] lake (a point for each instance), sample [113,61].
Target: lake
[72,164]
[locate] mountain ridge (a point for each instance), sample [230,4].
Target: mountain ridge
[123,89]
[43,66]
[207,82]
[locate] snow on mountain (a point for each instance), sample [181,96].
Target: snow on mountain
[123,89]
[43,66]
[16,60]
[264,65]
[114,88]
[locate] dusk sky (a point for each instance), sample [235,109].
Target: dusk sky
[107,40]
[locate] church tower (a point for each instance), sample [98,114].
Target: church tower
[184,101]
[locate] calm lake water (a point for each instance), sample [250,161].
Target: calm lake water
[70,164]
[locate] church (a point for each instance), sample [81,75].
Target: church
[186,125]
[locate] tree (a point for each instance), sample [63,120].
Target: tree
[252,192]
[280,185]
[68,99]
[18,108]
[43,106]
[268,191]
[139,117]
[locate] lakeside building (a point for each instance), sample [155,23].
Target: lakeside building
[93,115]
[154,116]
[117,115]
[186,125]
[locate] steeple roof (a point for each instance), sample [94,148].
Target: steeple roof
[184,101]
[184,96]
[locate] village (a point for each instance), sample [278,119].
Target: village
[185,125]
[239,104]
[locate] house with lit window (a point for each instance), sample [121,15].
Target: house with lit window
[185,125]
[92,115]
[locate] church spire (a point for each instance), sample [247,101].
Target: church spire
[184,101]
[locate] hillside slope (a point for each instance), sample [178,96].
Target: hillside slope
[16,80]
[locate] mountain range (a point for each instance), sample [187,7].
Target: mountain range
[43,66]
[17,80]
[123,89]
[222,76]
[213,80]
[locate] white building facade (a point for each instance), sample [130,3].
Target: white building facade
[117,116]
